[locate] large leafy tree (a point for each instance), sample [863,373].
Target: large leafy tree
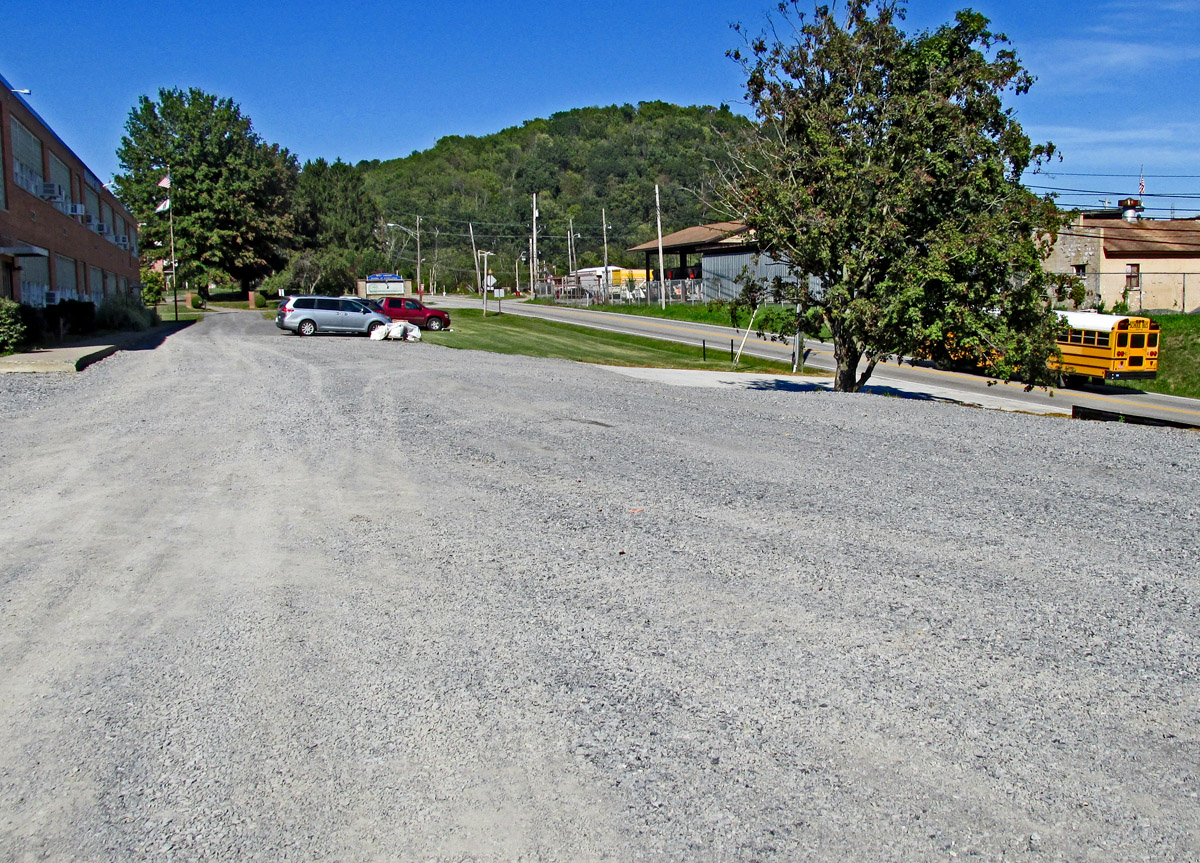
[889,168]
[230,190]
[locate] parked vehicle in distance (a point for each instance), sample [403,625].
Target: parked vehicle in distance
[306,316]
[415,312]
[1107,347]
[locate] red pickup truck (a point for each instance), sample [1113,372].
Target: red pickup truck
[415,312]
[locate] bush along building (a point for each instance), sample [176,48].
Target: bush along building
[63,235]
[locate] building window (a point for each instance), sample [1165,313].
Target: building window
[1080,270]
[35,280]
[27,159]
[60,175]
[64,278]
[106,217]
[1133,277]
[95,283]
[92,203]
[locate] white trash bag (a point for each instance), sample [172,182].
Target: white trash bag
[404,331]
[380,332]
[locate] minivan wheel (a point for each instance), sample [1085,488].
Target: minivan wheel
[434,324]
[306,328]
[374,325]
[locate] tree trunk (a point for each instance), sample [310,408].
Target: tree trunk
[846,352]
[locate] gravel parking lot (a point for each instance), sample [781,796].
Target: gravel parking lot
[276,598]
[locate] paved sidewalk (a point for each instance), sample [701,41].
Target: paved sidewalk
[81,354]
[797,383]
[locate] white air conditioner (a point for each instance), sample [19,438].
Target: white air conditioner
[102,229]
[51,298]
[122,241]
[52,192]
[76,210]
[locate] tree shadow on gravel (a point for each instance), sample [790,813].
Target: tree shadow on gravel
[785,386]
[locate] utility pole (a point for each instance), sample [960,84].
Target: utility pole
[171,228]
[607,277]
[475,255]
[662,283]
[533,267]
[571,244]
[420,284]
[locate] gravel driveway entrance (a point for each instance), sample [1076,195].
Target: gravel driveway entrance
[265,597]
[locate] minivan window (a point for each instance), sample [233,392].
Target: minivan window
[304,303]
[352,306]
[328,305]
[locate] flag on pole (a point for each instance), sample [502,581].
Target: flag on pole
[165,182]
[163,207]
[1141,184]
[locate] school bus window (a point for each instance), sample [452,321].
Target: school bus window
[1122,340]
[1076,337]
[1152,340]
[1138,340]
[1102,340]
[1089,338]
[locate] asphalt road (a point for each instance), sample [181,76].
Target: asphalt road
[274,598]
[889,377]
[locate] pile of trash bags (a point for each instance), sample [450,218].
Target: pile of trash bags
[399,331]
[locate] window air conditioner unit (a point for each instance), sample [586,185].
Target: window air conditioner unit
[76,210]
[123,241]
[89,219]
[51,298]
[103,229]
[52,192]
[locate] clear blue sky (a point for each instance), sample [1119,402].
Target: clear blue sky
[364,80]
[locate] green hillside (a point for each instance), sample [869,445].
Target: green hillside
[577,162]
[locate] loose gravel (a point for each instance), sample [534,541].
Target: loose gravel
[279,598]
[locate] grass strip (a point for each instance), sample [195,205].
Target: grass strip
[716,313]
[1178,359]
[533,337]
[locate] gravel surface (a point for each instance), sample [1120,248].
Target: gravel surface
[274,598]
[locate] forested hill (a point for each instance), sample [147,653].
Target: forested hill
[578,162]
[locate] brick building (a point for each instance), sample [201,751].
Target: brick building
[63,236]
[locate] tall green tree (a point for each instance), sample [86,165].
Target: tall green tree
[889,168]
[230,194]
[334,208]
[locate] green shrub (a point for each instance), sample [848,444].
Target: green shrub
[35,324]
[153,287]
[12,327]
[195,301]
[77,317]
[125,312]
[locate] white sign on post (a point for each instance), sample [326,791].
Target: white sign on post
[499,293]
[490,281]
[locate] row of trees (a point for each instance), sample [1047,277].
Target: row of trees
[580,163]
[240,209]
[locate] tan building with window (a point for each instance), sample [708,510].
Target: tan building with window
[1151,264]
[63,236]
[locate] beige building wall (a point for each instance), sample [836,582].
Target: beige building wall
[1162,282]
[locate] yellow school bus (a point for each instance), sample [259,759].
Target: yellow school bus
[1108,347]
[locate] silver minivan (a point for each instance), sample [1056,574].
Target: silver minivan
[305,316]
